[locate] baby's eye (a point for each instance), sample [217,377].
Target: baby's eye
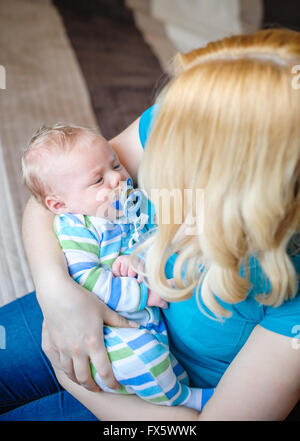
[115,167]
[100,180]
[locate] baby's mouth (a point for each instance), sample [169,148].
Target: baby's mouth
[119,195]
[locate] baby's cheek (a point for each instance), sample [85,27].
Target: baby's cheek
[103,205]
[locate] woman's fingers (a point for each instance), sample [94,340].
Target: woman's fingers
[71,352]
[97,354]
[98,351]
[103,367]
[66,365]
[82,371]
[48,347]
[59,360]
[112,318]
[76,368]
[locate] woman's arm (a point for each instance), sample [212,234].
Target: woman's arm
[129,149]
[262,383]
[40,241]
[114,407]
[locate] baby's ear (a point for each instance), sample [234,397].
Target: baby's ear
[55,204]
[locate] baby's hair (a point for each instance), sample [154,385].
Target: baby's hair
[43,148]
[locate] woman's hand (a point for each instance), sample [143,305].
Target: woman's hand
[73,332]
[118,407]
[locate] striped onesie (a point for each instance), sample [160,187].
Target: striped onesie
[141,360]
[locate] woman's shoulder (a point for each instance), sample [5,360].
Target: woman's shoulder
[285,318]
[259,280]
[146,123]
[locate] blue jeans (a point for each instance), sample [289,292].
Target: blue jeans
[29,390]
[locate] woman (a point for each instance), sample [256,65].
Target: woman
[228,123]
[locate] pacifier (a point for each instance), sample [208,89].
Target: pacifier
[131,206]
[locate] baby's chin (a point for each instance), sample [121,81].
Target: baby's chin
[108,213]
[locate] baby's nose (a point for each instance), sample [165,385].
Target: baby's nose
[115,179]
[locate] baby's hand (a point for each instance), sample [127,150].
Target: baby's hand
[121,267]
[155,300]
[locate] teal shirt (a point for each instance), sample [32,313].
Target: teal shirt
[206,347]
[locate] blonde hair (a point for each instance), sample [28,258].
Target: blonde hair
[46,145]
[229,123]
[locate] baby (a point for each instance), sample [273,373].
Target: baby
[74,172]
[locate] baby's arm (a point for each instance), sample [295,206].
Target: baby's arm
[121,267]
[81,249]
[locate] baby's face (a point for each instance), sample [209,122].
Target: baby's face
[86,177]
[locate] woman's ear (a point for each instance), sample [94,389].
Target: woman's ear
[55,204]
